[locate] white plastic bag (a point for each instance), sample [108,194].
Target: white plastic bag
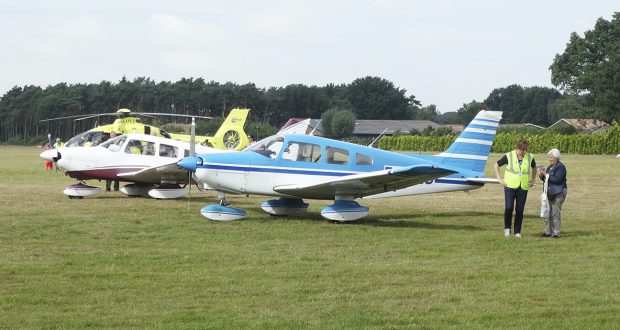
[544,200]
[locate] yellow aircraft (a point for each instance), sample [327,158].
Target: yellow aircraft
[229,136]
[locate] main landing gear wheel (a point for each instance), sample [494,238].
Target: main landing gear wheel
[81,190]
[222,212]
[231,139]
[284,206]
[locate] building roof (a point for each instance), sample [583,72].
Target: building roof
[376,127]
[581,124]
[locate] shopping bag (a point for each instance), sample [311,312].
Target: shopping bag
[544,199]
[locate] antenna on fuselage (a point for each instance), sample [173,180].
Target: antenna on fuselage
[315,126]
[377,138]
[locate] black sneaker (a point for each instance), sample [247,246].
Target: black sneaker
[556,236]
[546,235]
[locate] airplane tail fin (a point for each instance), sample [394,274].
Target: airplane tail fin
[231,134]
[471,149]
[295,126]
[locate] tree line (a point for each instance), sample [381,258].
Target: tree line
[21,108]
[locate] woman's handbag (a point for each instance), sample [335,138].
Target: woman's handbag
[544,200]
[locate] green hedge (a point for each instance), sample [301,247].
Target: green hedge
[602,143]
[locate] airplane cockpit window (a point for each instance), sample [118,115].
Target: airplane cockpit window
[86,139]
[135,147]
[337,156]
[361,159]
[302,152]
[269,147]
[168,151]
[115,144]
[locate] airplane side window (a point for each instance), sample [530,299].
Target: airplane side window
[148,148]
[134,147]
[361,159]
[302,152]
[168,151]
[337,156]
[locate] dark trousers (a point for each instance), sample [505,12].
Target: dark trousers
[108,184]
[511,195]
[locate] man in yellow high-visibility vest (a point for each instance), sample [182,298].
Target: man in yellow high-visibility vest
[519,176]
[58,144]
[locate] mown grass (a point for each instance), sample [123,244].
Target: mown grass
[436,261]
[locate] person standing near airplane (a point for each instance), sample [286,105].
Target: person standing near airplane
[58,143]
[556,192]
[108,183]
[519,176]
[48,163]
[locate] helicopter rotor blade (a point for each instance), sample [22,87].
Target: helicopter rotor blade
[168,114]
[79,116]
[97,115]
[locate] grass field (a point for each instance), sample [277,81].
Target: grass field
[435,261]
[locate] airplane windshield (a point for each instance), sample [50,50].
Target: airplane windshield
[269,147]
[87,139]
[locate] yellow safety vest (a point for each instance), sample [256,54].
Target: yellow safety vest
[135,150]
[58,145]
[517,175]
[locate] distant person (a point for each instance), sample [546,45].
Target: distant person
[59,143]
[556,192]
[519,176]
[108,183]
[48,163]
[250,139]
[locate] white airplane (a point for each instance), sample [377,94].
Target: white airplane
[147,162]
[293,167]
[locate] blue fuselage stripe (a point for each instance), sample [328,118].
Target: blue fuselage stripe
[306,172]
[273,170]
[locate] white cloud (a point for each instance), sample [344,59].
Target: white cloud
[277,21]
[82,29]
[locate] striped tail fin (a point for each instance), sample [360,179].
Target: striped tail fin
[471,149]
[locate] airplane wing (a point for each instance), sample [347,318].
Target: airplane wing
[365,184]
[155,174]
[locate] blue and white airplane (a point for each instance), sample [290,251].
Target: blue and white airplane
[294,167]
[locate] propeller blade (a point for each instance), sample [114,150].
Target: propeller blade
[192,141]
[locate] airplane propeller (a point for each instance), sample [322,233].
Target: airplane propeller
[192,153]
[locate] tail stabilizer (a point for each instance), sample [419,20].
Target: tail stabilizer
[296,126]
[471,149]
[231,134]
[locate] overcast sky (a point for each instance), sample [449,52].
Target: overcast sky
[443,52]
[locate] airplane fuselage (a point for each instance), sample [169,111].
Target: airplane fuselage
[257,172]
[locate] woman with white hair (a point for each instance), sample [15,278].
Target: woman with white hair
[556,192]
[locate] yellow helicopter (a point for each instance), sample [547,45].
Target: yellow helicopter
[229,136]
